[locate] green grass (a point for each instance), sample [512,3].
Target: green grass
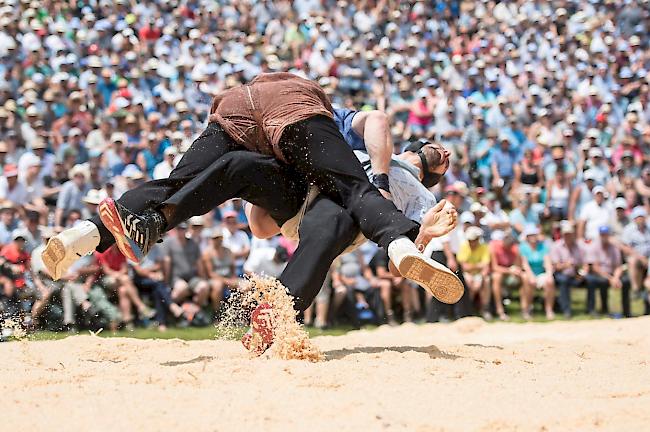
[578,299]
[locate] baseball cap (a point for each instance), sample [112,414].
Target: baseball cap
[638,212]
[11,170]
[620,203]
[30,160]
[467,217]
[182,225]
[530,230]
[171,150]
[604,230]
[473,233]
[476,207]
[595,152]
[599,189]
[589,175]
[216,232]
[93,196]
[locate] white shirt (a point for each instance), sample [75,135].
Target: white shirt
[261,261]
[596,216]
[18,195]
[162,170]
[236,242]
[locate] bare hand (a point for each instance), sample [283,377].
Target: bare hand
[386,194]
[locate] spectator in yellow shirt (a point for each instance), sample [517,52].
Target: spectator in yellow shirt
[474,257]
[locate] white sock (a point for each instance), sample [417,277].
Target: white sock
[399,247]
[90,237]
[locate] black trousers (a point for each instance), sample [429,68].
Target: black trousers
[315,150]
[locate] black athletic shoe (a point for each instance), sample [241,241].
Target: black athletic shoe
[134,234]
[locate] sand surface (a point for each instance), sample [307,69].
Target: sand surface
[463,376]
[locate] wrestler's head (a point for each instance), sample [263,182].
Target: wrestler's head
[433,158]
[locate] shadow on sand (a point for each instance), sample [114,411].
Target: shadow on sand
[432,351]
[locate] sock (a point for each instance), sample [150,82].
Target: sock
[90,233]
[399,247]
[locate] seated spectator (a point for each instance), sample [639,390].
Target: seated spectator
[183,271]
[14,265]
[606,271]
[236,240]
[474,258]
[503,163]
[538,267]
[116,279]
[380,277]
[528,173]
[266,258]
[148,278]
[636,247]
[581,194]
[219,266]
[567,257]
[619,220]
[363,302]
[8,222]
[321,305]
[508,272]
[11,189]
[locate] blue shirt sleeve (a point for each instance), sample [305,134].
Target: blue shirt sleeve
[343,118]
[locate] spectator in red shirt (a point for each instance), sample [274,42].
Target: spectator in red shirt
[150,33]
[116,278]
[508,271]
[14,262]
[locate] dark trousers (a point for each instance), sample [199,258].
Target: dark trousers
[564,284]
[596,282]
[314,148]
[161,294]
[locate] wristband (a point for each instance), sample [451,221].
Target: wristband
[381,182]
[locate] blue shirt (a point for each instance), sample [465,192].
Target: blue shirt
[535,257]
[505,161]
[343,118]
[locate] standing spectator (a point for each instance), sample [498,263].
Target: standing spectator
[594,215]
[567,257]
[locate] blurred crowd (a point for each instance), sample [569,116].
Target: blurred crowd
[545,105]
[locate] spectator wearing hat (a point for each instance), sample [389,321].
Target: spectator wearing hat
[219,265]
[635,245]
[8,222]
[99,138]
[539,268]
[606,271]
[567,256]
[72,194]
[75,145]
[594,214]
[508,271]
[523,214]
[169,162]
[11,189]
[474,257]
[619,220]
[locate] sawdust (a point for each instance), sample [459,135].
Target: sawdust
[291,340]
[465,376]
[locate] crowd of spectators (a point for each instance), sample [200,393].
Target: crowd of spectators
[544,104]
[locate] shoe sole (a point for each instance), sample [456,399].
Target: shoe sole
[262,323]
[111,219]
[434,277]
[254,344]
[53,256]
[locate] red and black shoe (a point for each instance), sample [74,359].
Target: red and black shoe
[134,234]
[260,336]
